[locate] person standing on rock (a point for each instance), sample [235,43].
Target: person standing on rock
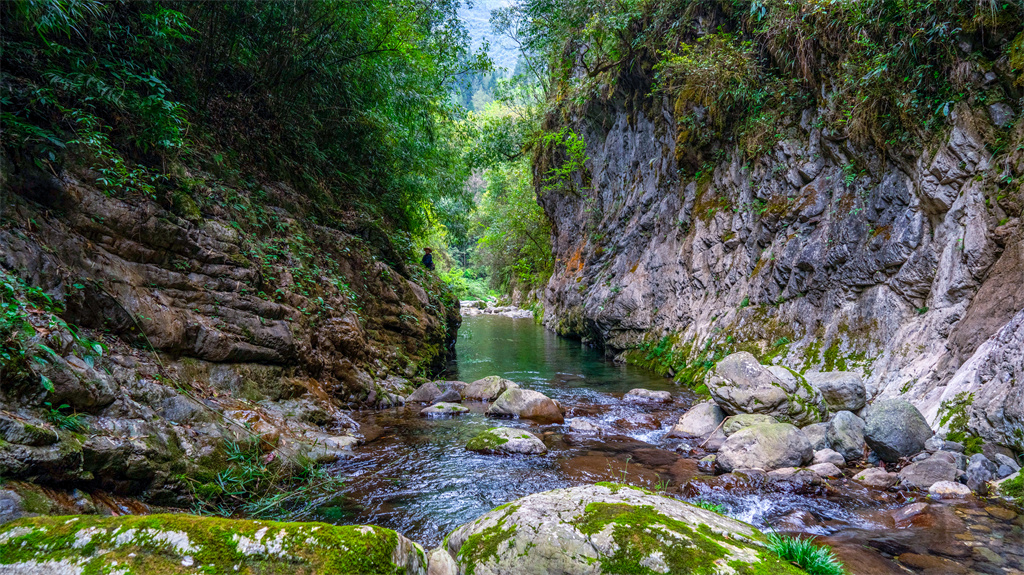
[428,260]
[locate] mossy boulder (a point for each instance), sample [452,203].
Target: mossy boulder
[179,543]
[507,440]
[444,409]
[607,528]
[488,388]
[739,384]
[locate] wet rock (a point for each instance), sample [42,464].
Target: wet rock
[488,388]
[795,477]
[425,393]
[444,409]
[841,390]
[640,394]
[829,456]
[846,435]
[931,564]
[908,512]
[592,529]
[1001,513]
[507,440]
[435,391]
[876,477]
[440,562]
[528,404]
[894,428]
[979,472]
[826,469]
[166,543]
[739,384]
[450,396]
[922,474]
[319,447]
[949,490]
[700,421]
[25,433]
[765,447]
[817,435]
[580,425]
[734,423]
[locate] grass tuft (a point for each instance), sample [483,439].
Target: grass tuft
[815,559]
[705,504]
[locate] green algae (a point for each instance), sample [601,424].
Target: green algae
[486,441]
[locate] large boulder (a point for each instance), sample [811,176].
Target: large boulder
[507,440]
[528,404]
[179,543]
[841,390]
[765,447]
[923,474]
[700,421]
[607,528]
[739,384]
[435,391]
[894,428]
[846,435]
[488,388]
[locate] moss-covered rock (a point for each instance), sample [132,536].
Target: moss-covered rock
[506,440]
[178,543]
[605,528]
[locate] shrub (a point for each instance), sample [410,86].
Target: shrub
[815,559]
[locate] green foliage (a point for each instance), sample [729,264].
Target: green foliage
[570,149]
[814,559]
[953,412]
[69,421]
[1013,488]
[254,484]
[705,504]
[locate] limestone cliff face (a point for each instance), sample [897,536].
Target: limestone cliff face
[216,330]
[818,255]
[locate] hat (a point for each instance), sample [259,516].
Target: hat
[428,250]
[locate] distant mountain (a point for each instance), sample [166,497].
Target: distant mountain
[477,19]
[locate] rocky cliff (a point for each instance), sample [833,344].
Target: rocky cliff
[818,255]
[149,334]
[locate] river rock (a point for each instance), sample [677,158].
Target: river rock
[24,432]
[640,394]
[507,440]
[765,447]
[449,396]
[1007,466]
[739,384]
[876,477]
[425,393]
[606,528]
[817,434]
[488,388]
[894,428]
[168,543]
[829,456]
[580,425]
[846,435]
[734,423]
[436,391]
[701,420]
[444,409]
[949,490]
[528,404]
[923,474]
[841,390]
[826,469]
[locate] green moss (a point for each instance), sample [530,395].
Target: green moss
[159,545]
[486,441]
[639,532]
[834,360]
[35,502]
[482,546]
[1013,488]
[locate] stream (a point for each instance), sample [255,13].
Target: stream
[414,475]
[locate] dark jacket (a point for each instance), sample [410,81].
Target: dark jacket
[428,261]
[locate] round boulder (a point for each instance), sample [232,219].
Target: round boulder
[841,390]
[846,435]
[701,420]
[894,428]
[507,440]
[734,423]
[488,388]
[765,447]
[923,474]
[607,528]
[739,384]
[528,404]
